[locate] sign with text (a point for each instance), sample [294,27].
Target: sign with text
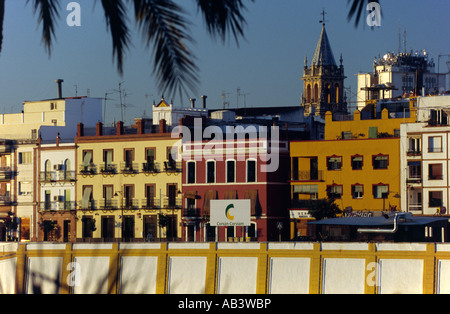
[230,213]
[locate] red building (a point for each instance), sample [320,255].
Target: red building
[254,169]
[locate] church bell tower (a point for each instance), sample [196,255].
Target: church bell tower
[323,80]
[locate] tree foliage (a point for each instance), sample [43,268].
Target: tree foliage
[324,208]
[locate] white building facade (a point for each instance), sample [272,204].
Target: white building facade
[425,160]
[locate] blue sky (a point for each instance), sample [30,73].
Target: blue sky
[267,66]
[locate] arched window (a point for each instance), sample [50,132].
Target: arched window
[316,92]
[337,93]
[67,169]
[47,170]
[308,94]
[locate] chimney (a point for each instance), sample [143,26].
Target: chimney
[204,97]
[99,129]
[140,126]
[193,100]
[119,128]
[59,82]
[80,131]
[162,126]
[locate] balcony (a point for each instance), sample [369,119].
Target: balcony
[5,173]
[151,167]
[414,207]
[191,212]
[172,202]
[307,175]
[414,153]
[88,170]
[414,179]
[66,176]
[57,206]
[5,200]
[173,166]
[87,205]
[150,203]
[130,204]
[108,169]
[129,167]
[48,176]
[107,204]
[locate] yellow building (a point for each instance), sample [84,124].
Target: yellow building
[358,164]
[128,185]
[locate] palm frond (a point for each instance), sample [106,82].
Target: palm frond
[116,21]
[2,17]
[223,17]
[357,9]
[48,13]
[165,29]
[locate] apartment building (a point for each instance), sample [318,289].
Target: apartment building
[128,185]
[357,165]
[55,199]
[235,169]
[425,160]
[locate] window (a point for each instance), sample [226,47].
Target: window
[231,171]
[310,191]
[414,146]
[435,171]
[334,163]
[435,144]
[380,191]
[435,198]
[334,191]
[150,195]
[190,172]
[357,191]
[108,196]
[251,170]
[380,162]
[210,172]
[25,158]
[149,165]
[415,170]
[357,162]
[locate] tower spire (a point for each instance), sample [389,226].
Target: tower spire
[323,21]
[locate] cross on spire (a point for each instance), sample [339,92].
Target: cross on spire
[323,21]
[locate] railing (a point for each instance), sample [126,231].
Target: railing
[130,204]
[5,173]
[51,176]
[191,212]
[57,206]
[107,204]
[307,175]
[129,167]
[151,167]
[88,170]
[173,166]
[108,168]
[173,203]
[5,200]
[150,203]
[48,176]
[66,175]
[414,207]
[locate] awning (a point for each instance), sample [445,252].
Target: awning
[230,195]
[379,221]
[209,195]
[252,195]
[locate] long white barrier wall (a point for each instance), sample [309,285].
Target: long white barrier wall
[225,268]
